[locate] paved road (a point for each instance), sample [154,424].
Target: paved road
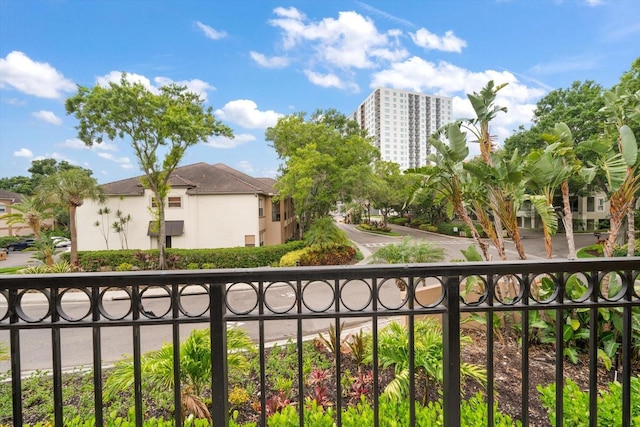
[76,342]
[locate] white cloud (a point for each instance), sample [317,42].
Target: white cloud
[210,32]
[223,142]
[330,80]
[246,167]
[14,101]
[196,86]
[47,116]
[593,3]
[23,152]
[292,13]
[448,43]
[273,62]
[40,79]
[123,162]
[245,113]
[77,144]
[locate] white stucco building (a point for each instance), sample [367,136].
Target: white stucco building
[401,123]
[208,206]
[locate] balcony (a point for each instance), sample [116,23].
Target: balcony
[325,296]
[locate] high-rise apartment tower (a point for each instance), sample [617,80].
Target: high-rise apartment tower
[401,122]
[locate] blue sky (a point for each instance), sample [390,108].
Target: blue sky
[254,61]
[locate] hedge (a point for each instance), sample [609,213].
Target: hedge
[238,257]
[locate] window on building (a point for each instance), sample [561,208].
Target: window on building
[275,212]
[174,202]
[590,204]
[249,240]
[600,205]
[262,233]
[260,207]
[3,208]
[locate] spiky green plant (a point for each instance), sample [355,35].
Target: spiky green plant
[195,365]
[408,251]
[393,351]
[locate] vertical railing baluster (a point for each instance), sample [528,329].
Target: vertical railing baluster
[218,331]
[16,372]
[56,359]
[411,323]
[136,307]
[593,351]
[262,355]
[96,339]
[560,286]
[524,362]
[627,330]
[299,337]
[337,296]
[490,340]
[451,356]
[175,336]
[374,344]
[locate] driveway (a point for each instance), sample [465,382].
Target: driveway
[19,259]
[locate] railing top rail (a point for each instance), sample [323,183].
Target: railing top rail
[114,278]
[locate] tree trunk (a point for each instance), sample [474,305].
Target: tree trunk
[162,238]
[73,256]
[462,213]
[631,243]
[567,220]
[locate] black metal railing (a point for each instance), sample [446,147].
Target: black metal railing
[335,294]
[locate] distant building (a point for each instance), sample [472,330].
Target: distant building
[401,123]
[208,206]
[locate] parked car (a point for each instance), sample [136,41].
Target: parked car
[61,242]
[21,245]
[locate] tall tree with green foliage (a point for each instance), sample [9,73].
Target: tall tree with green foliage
[69,188]
[172,120]
[326,158]
[386,190]
[579,107]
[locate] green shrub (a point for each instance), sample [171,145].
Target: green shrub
[125,266]
[193,266]
[328,255]
[238,257]
[398,220]
[292,258]
[428,227]
[622,250]
[448,228]
[576,404]
[208,266]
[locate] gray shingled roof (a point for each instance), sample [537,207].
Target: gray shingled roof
[200,178]
[9,195]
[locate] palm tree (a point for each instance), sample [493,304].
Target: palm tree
[69,188]
[30,211]
[448,175]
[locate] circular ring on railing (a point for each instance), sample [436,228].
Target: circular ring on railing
[397,288]
[101,299]
[578,287]
[636,283]
[353,284]
[153,289]
[612,286]
[182,293]
[504,289]
[425,286]
[276,287]
[22,314]
[543,288]
[473,290]
[245,288]
[74,294]
[305,289]
[5,304]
